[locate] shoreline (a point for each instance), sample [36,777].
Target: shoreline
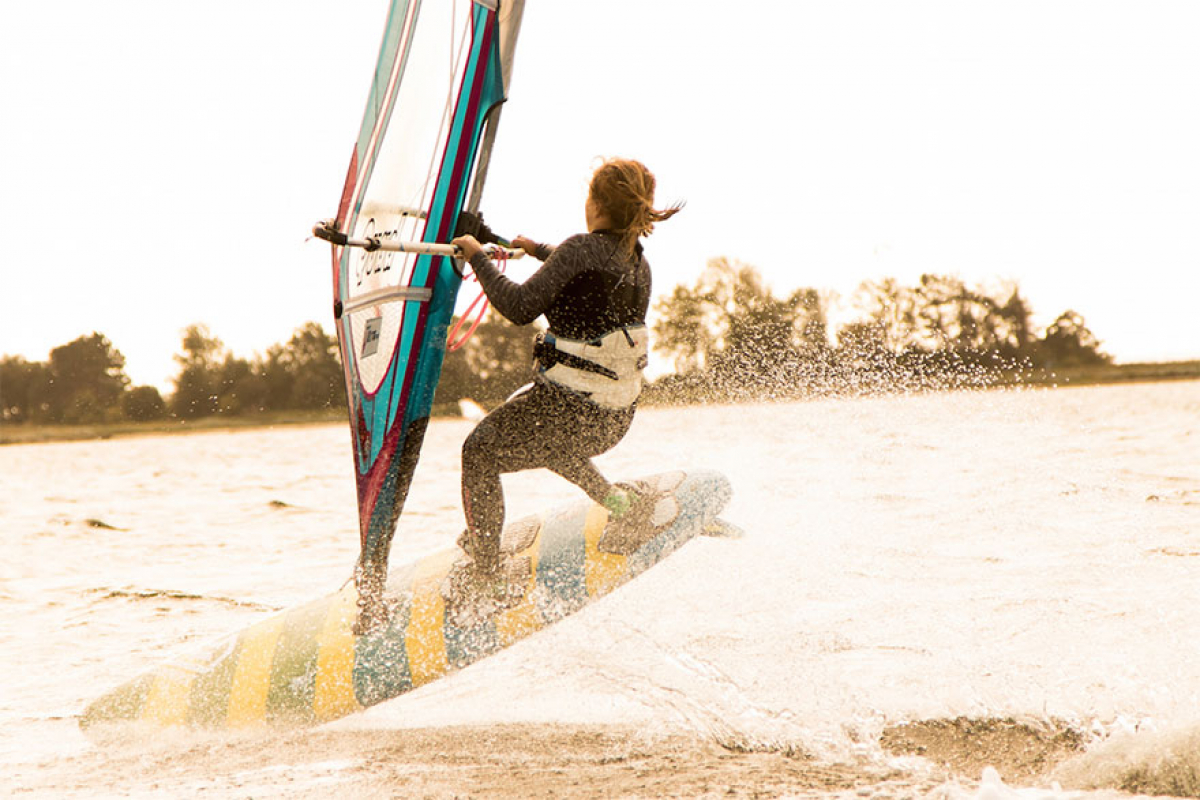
[18,434]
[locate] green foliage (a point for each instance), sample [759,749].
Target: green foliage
[1069,343]
[731,317]
[728,336]
[198,384]
[239,389]
[302,374]
[732,330]
[731,339]
[319,378]
[143,404]
[941,313]
[82,383]
[492,364]
[20,384]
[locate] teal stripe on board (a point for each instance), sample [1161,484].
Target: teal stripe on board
[391,674]
[294,667]
[381,666]
[669,541]
[466,646]
[208,701]
[561,569]
[124,704]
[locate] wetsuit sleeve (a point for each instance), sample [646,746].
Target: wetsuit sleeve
[522,303]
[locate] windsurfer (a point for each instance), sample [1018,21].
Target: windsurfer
[594,290]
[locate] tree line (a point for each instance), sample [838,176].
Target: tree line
[727,337]
[84,381]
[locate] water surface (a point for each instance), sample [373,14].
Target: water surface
[1027,554]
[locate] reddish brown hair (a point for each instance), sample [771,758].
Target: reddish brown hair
[624,191]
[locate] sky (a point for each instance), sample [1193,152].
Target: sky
[162,163]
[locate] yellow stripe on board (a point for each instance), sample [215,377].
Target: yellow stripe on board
[602,571]
[333,694]
[518,622]
[252,675]
[524,618]
[167,701]
[424,638]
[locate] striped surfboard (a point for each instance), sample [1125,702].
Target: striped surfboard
[305,666]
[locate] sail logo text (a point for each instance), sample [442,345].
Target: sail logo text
[375,262]
[371,336]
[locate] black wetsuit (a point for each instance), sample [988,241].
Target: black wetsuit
[587,287]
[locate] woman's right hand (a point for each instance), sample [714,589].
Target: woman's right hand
[467,245]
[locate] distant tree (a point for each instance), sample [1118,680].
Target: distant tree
[1068,343]
[948,314]
[239,389]
[85,382]
[198,384]
[304,373]
[493,363]
[732,323]
[890,322]
[319,379]
[1016,327]
[942,314]
[143,404]
[22,389]
[277,379]
[499,357]
[14,389]
[684,330]
[456,380]
[814,328]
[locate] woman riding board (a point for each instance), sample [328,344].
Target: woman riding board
[594,290]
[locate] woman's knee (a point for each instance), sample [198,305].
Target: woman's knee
[474,453]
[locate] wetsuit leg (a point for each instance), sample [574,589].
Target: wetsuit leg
[543,427]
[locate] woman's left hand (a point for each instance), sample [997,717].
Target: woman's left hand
[469,246]
[526,244]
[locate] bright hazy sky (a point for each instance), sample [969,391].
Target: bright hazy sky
[161,163]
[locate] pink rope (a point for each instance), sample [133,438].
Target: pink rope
[451,344]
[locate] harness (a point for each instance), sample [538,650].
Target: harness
[606,370]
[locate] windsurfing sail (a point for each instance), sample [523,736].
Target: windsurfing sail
[419,163]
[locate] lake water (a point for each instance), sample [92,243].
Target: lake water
[1032,554]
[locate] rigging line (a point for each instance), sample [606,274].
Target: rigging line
[458,67]
[420,195]
[501,256]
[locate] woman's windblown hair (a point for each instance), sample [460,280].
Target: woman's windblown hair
[624,190]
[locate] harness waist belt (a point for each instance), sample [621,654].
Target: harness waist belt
[607,370]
